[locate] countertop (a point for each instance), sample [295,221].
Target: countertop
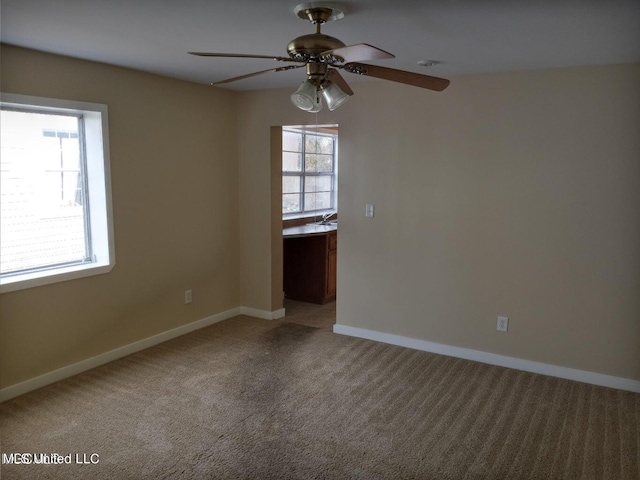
[308,230]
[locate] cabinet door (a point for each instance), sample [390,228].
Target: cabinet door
[305,268]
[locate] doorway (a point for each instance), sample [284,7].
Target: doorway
[308,204]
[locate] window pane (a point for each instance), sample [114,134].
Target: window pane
[317,201]
[291,203]
[313,180]
[42,217]
[318,163]
[319,144]
[291,162]
[319,183]
[290,184]
[291,141]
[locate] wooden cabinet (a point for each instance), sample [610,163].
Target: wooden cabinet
[310,264]
[332,264]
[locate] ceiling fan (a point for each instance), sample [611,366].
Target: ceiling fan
[323,56]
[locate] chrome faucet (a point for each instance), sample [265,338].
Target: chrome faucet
[327,216]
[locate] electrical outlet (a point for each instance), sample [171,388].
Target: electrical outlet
[503,324]
[187,296]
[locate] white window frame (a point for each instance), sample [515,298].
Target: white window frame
[303,174]
[98,174]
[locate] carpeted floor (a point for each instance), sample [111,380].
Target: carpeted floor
[311,315]
[253,399]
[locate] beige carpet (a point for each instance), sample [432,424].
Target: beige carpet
[311,315]
[253,399]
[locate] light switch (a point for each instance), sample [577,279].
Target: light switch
[369,210]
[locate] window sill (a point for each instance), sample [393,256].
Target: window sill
[36,279]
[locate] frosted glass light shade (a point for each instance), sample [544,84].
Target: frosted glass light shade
[305,98]
[334,96]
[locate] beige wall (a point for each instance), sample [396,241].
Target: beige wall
[175,190]
[512,194]
[260,268]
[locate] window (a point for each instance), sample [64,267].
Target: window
[55,208]
[309,161]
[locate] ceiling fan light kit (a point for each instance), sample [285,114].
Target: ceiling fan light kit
[323,56]
[333,96]
[306,96]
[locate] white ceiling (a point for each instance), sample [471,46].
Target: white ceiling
[467,36]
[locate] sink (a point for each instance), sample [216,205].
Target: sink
[317,227]
[310,229]
[333,223]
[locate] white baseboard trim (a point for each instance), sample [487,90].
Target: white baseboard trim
[263,314]
[492,358]
[93,362]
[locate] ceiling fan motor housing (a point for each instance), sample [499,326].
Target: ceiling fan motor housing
[312,45]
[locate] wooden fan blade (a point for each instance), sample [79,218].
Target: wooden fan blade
[241,55]
[335,77]
[248,75]
[401,76]
[357,53]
